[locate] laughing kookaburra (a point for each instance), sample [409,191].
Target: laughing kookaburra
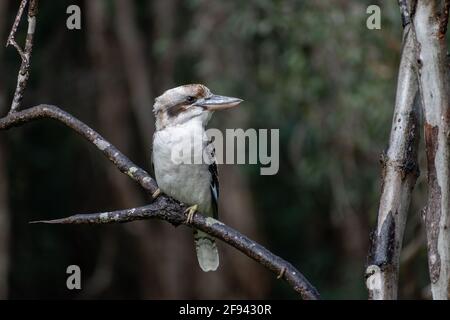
[182,114]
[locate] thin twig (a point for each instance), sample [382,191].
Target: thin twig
[15,25]
[167,209]
[163,208]
[25,54]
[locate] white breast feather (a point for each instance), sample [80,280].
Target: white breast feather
[188,183]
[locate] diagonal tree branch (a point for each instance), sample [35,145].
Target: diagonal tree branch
[111,152]
[12,34]
[167,209]
[163,207]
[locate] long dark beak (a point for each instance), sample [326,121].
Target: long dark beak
[216,102]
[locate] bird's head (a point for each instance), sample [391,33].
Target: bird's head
[185,103]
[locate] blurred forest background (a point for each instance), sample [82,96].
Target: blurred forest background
[310,68]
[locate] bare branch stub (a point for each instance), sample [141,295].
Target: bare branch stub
[163,207]
[25,54]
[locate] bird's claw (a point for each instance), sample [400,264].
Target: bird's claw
[190,213]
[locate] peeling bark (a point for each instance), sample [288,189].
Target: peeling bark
[430,24]
[399,174]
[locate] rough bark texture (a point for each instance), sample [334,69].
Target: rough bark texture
[430,23]
[400,171]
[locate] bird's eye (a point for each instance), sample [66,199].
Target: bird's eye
[191,99]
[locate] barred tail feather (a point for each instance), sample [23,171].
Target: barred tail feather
[207,253]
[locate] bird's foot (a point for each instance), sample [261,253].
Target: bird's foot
[156,193]
[190,213]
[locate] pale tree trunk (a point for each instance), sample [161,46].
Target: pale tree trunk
[424,68]
[4,201]
[400,171]
[430,22]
